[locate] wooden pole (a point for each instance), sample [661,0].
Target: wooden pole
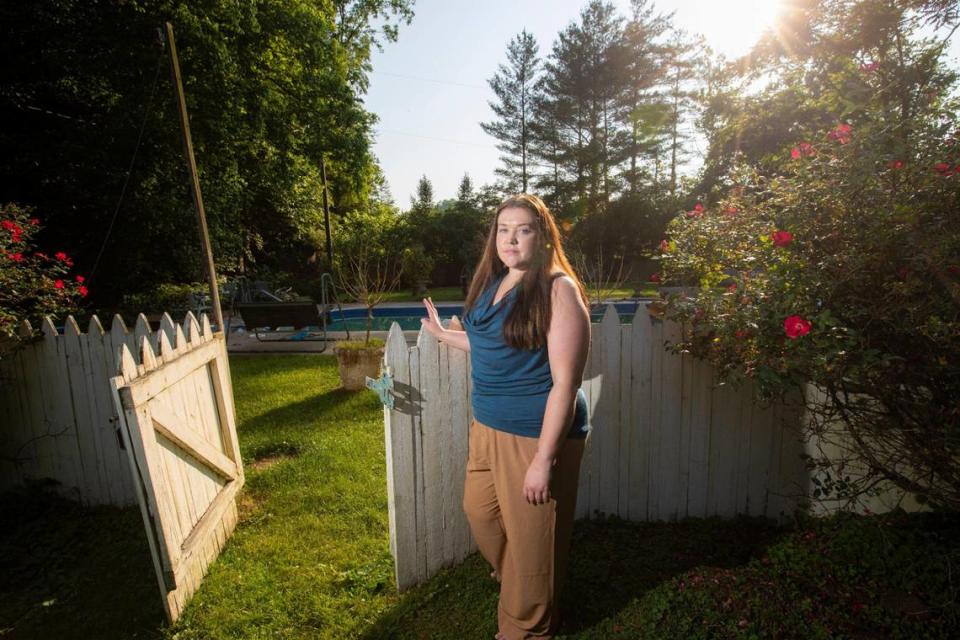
[326,213]
[194,179]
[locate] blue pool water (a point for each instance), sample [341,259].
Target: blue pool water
[408,318]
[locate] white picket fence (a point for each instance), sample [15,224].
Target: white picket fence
[667,442]
[58,414]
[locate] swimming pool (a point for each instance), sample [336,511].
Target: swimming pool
[408,317]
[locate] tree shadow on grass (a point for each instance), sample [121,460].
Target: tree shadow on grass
[613,564]
[68,571]
[317,411]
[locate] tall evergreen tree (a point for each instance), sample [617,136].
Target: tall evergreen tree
[423,201]
[684,58]
[583,79]
[643,112]
[514,85]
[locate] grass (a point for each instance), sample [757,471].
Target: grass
[310,556]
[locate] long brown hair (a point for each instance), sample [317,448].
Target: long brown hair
[529,319]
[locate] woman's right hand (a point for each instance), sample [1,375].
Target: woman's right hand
[432,322]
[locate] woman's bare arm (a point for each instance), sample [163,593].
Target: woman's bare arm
[568,343]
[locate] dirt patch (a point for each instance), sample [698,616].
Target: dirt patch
[270,454]
[268,461]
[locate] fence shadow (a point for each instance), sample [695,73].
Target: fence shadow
[67,571]
[613,563]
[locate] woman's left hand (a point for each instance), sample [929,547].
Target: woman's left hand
[536,484]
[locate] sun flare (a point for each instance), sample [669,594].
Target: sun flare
[733,27]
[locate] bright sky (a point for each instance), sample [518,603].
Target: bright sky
[430,89]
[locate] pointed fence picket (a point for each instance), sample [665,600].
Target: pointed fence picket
[59,419]
[667,441]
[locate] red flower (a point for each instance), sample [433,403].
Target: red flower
[697,211]
[731,211]
[796,327]
[9,225]
[896,164]
[58,284]
[732,287]
[782,238]
[61,256]
[741,333]
[842,133]
[654,277]
[902,273]
[83,291]
[698,208]
[664,246]
[35,222]
[16,257]
[80,279]
[942,168]
[804,149]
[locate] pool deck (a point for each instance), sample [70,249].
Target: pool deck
[241,341]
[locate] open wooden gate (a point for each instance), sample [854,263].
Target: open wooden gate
[179,430]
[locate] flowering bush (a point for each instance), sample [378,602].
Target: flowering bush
[844,271]
[32,283]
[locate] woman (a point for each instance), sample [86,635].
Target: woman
[528,333]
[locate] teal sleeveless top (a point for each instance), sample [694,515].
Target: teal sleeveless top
[510,386]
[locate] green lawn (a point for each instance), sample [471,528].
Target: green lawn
[310,557]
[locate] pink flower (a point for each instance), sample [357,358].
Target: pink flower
[796,327]
[35,222]
[869,66]
[795,153]
[841,133]
[83,291]
[81,279]
[58,284]
[664,246]
[654,277]
[697,211]
[942,168]
[782,238]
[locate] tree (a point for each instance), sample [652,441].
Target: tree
[684,56]
[514,87]
[643,112]
[270,86]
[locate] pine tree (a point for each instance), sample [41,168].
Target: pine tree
[424,199]
[643,112]
[682,62]
[513,85]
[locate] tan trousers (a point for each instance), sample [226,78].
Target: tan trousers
[526,544]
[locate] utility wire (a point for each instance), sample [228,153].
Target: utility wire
[455,84]
[126,180]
